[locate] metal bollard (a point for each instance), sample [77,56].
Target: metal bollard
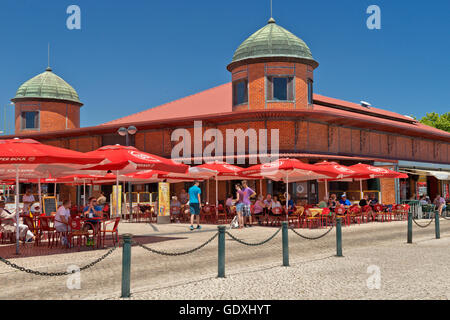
[126,265]
[436,226]
[339,237]
[285,243]
[409,227]
[221,252]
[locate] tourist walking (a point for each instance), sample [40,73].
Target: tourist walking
[239,204]
[195,204]
[246,208]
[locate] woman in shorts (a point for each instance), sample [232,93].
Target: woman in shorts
[240,205]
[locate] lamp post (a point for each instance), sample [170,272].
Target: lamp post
[131,130]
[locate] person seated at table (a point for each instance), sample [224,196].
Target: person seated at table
[372,200]
[364,201]
[62,220]
[440,204]
[344,201]
[8,224]
[332,202]
[101,200]
[92,210]
[174,203]
[258,208]
[276,203]
[324,203]
[423,200]
[268,204]
[290,204]
[183,197]
[28,200]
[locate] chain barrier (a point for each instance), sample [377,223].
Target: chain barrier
[445,216]
[164,253]
[253,244]
[56,274]
[425,225]
[312,238]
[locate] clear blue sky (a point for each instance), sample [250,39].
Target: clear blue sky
[136,54]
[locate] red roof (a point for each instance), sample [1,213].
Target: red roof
[214,100]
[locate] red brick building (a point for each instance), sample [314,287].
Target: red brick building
[272,77]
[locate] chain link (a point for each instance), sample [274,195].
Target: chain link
[425,225]
[56,274]
[253,244]
[312,238]
[164,253]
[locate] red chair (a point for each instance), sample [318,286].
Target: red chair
[175,214]
[341,213]
[114,231]
[378,210]
[206,215]
[325,215]
[78,231]
[366,212]
[46,228]
[355,214]
[222,214]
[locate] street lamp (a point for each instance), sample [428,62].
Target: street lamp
[127,132]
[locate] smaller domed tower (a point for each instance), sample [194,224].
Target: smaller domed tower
[272,69]
[46,103]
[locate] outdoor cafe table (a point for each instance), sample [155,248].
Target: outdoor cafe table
[100,221]
[315,211]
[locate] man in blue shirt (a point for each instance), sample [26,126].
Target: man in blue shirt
[92,210]
[344,201]
[195,204]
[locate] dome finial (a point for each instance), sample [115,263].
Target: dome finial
[271,20]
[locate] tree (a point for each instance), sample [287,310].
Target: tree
[441,122]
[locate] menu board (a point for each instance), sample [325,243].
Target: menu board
[49,205]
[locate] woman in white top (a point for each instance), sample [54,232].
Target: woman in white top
[28,200]
[276,203]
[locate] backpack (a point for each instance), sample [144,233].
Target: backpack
[234,223]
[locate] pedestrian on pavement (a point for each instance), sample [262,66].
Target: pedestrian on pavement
[195,204]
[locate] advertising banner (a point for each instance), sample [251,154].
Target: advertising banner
[164,199]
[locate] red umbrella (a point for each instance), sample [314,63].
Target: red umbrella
[223,171]
[340,170]
[29,154]
[365,171]
[291,170]
[156,175]
[130,159]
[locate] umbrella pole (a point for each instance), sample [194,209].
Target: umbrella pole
[217,197]
[360,188]
[260,187]
[287,195]
[40,194]
[84,193]
[17,209]
[117,193]
[326,188]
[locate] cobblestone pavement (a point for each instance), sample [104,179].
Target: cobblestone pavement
[417,271]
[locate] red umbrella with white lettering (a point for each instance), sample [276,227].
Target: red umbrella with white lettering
[290,170]
[129,159]
[27,154]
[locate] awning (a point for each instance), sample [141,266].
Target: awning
[440,175]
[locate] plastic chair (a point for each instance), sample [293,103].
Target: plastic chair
[114,231]
[46,228]
[77,231]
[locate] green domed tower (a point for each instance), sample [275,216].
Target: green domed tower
[46,103]
[271,69]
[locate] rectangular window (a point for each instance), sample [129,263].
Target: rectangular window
[280,89]
[240,92]
[310,92]
[30,120]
